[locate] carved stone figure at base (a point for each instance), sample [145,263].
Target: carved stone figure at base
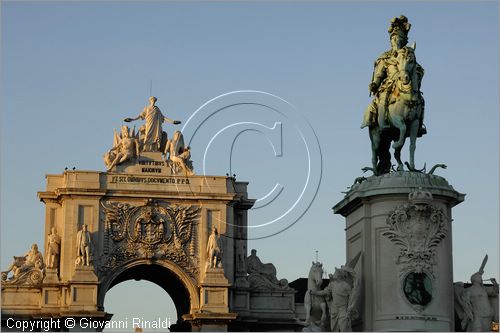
[263,276]
[83,247]
[340,289]
[126,147]
[342,295]
[472,304]
[53,249]
[317,319]
[179,156]
[28,268]
[214,249]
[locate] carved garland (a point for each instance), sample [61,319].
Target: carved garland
[152,231]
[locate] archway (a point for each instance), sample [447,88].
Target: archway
[166,275]
[141,304]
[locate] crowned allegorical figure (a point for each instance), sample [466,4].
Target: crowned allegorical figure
[153,133]
[150,138]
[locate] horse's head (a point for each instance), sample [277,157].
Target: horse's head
[406,64]
[316,273]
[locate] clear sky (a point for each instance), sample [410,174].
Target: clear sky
[72,71]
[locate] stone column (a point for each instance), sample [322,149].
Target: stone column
[402,224]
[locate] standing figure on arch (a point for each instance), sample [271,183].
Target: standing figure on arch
[83,247]
[214,249]
[53,249]
[153,135]
[397,109]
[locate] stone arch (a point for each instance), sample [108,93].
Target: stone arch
[170,277]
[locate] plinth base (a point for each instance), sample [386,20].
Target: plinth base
[401,222]
[84,274]
[51,276]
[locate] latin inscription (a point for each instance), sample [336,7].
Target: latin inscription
[148,180]
[155,170]
[152,163]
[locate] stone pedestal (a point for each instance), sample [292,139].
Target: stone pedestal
[401,222]
[83,291]
[264,310]
[51,276]
[214,291]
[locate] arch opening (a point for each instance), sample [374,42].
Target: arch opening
[143,304]
[161,276]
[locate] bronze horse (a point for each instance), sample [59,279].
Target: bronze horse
[404,114]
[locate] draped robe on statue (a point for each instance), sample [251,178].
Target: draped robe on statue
[154,120]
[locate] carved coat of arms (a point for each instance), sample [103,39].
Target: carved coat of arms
[417,228]
[154,230]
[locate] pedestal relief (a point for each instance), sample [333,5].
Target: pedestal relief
[417,228]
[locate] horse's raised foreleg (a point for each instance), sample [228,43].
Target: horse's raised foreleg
[401,126]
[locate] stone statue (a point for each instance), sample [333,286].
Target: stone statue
[342,294]
[341,290]
[153,133]
[126,147]
[214,249]
[53,249]
[28,267]
[179,156]
[263,276]
[316,310]
[473,305]
[83,247]
[397,110]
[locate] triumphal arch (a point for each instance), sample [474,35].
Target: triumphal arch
[147,217]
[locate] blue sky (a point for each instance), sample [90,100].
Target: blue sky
[72,71]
